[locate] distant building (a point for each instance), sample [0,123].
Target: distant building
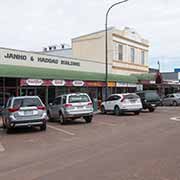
[171,76]
[60,52]
[171,82]
[153,70]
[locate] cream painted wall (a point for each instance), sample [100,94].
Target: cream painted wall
[92,47]
[30,59]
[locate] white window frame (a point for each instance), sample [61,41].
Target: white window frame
[143,57]
[132,50]
[120,54]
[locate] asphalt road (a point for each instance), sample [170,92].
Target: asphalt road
[129,147]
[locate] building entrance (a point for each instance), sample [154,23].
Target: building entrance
[34,91]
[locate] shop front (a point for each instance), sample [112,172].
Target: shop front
[122,87]
[28,73]
[47,90]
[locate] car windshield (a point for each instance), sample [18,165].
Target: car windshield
[27,102]
[152,95]
[78,98]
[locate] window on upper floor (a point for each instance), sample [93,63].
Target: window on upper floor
[143,57]
[117,51]
[132,55]
[120,52]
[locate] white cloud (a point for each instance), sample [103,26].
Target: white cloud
[33,24]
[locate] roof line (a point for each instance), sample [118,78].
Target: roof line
[109,29]
[50,55]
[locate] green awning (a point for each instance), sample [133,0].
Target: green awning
[44,73]
[122,78]
[147,76]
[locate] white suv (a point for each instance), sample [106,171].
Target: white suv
[120,103]
[71,106]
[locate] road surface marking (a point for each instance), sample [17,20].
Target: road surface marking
[61,130]
[175,118]
[2,149]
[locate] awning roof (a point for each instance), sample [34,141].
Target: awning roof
[147,76]
[42,73]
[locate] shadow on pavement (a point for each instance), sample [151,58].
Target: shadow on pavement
[23,130]
[70,122]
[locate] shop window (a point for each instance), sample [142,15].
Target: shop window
[11,82]
[60,91]
[1,82]
[58,100]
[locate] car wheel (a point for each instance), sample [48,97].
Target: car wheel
[136,112]
[151,109]
[43,127]
[116,111]
[88,119]
[103,111]
[61,119]
[174,103]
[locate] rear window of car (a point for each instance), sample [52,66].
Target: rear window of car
[151,95]
[177,95]
[131,96]
[78,98]
[27,102]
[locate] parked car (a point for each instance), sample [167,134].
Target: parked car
[24,111]
[171,100]
[150,99]
[71,107]
[120,103]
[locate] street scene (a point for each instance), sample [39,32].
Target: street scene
[111,147]
[89,90]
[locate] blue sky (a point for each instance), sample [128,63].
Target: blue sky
[31,25]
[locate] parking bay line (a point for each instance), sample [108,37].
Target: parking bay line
[61,130]
[175,118]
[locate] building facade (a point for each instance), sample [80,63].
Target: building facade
[127,50]
[80,69]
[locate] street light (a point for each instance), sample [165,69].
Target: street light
[106,45]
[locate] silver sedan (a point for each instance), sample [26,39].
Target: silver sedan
[171,100]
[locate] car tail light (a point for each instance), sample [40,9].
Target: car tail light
[41,108]
[68,105]
[11,110]
[90,104]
